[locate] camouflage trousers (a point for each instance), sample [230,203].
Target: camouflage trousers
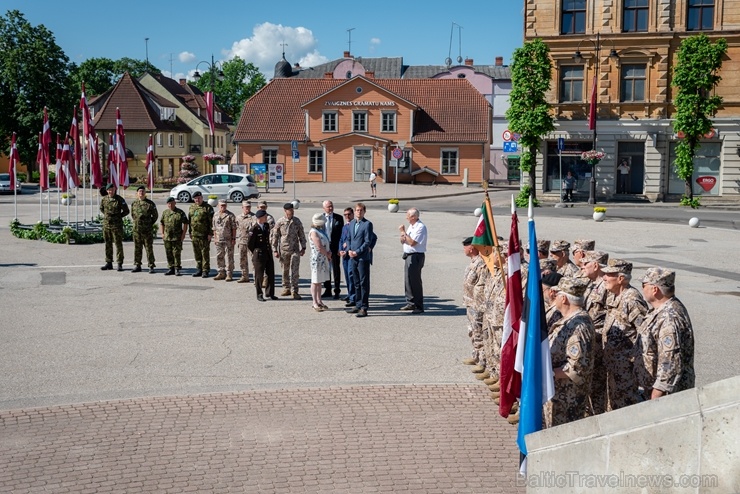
[475,333]
[224,255]
[244,256]
[291,262]
[598,380]
[111,235]
[621,383]
[143,240]
[202,253]
[173,251]
[492,346]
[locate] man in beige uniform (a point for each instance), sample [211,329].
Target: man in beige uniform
[244,224]
[224,238]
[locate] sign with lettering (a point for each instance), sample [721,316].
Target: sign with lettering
[707,182]
[359,103]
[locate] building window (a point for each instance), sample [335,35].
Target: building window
[571,84]
[159,139]
[633,83]
[330,121]
[269,156]
[181,140]
[160,168]
[359,121]
[449,162]
[700,15]
[388,121]
[171,140]
[171,168]
[315,161]
[635,16]
[573,17]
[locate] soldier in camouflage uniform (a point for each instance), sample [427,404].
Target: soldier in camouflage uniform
[494,296]
[114,209]
[596,296]
[552,314]
[559,251]
[200,218]
[224,238]
[174,224]
[474,282]
[244,224]
[625,311]
[144,213]
[571,351]
[289,244]
[664,354]
[543,250]
[548,266]
[580,247]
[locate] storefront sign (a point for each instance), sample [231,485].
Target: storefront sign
[360,103]
[706,182]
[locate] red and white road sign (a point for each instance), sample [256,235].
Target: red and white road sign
[507,135]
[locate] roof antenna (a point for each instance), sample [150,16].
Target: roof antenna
[448,60]
[283,44]
[349,42]
[146,41]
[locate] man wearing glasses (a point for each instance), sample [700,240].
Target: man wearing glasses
[349,215]
[333,227]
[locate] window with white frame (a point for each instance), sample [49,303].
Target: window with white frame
[181,140]
[316,160]
[359,121]
[330,121]
[171,140]
[167,114]
[159,139]
[217,116]
[449,162]
[388,121]
[269,156]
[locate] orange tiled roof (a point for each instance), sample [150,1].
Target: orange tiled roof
[450,110]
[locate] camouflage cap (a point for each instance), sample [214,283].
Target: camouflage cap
[595,255]
[582,244]
[618,266]
[171,199]
[660,277]
[222,201]
[247,203]
[573,286]
[543,245]
[559,246]
[548,264]
[551,279]
[262,203]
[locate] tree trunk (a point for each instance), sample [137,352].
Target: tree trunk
[689,190]
[532,173]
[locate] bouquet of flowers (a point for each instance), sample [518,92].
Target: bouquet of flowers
[592,157]
[213,158]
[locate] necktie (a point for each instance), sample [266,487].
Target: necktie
[357,224]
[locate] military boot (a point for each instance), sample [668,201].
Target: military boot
[469,361]
[477,369]
[296,296]
[513,418]
[170,272]
[137,269]
[177,272]
[107,266]
[220,276]
[482,375]
[286,292]
[120,267]
[243,279]
[491,380]
[229,277]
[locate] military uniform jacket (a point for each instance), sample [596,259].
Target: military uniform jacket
[288,235]
[595,303]
[114,209]
[664,354]
[144,213]
[569,269]
[244,224]
[224,226]
[201,220]
[624,314]
[474,282]
[259,242]
[172,221]
[495,298]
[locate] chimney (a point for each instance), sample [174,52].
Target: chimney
[370,74]
[469,62]
[499,61]
[347,55]
[328,75]
[183,82]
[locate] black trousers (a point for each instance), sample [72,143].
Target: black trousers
[336,274]
[412,279]
[264,265]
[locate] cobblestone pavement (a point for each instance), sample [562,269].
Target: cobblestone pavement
[426,438]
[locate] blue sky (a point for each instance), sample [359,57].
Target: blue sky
[182,33]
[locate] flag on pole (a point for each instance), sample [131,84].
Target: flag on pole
[88,130]
[75,150]
[592,108]
[39,161]
[209,111]
[533,352]
[485,238]
[13,164]
[67,165]
[61,179]
[45,153]
[150,163]
[112,168]
[511,380]
[121,160]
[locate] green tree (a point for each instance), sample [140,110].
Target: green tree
[99,74]
[241,81]
[695,75]
[529,112]
[34,72]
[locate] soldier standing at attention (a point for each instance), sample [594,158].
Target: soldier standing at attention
[174,225]
[474,284]
[579,249]
[200,218]
[289,244]
[144,213]
[595,304]
[244,224]
[224,238]
[264,265]
[559,250]
[114,209]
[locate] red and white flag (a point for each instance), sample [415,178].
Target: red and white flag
[67,165]
[112,167]
[13,164]
[121,160]
[97,176]
[75,150]
[61,179]
[39,161]
[209,111]
[45,153]
[88,130]
[592,108]
[510,379]
[150,164]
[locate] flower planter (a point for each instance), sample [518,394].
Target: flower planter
[392,208]
[65,201]
[213,202]
[599,216]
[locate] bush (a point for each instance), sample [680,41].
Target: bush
[522,200]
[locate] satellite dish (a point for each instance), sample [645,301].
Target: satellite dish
[459,59]
[448,61]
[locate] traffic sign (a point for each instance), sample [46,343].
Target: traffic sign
[510,147]
[561,143]
[398,153]
[294,145]
[507,135]
[296,155]
[515,136]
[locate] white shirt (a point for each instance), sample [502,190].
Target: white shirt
[623,168]
[418,232]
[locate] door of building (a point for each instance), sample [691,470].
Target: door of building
[363,165]
[633,155]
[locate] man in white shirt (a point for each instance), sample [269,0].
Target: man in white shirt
[414,241]
[623,170]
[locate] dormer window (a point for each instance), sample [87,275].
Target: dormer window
[167,114]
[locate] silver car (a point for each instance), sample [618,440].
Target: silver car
[233,187]
[5,184]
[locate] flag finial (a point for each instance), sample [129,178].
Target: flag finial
[513,204]
[530,212]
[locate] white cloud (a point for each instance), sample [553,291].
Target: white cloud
[374,42]
[264,49]
[186,57]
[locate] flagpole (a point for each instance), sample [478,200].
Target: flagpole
[495,236]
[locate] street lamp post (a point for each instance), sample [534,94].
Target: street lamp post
[212,68]
[594,101]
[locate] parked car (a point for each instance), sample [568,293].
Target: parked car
[233,187]
[5,183]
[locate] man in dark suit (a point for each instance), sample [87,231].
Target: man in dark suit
[259,245]
[333,229]
[361,238]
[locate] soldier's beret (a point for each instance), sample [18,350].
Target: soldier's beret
[110,186]
[618,266]
[171,199]
[222,201]
[288,205]
[260,213]
[596,255]
[103,191]
[584,245]
[660,277]
[559,246]
[551,279]
[140,187]
[573,286]
[549,264]
[246,203]
[468,241]
[197,193]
